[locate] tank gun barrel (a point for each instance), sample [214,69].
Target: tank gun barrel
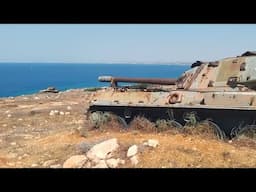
[161,81]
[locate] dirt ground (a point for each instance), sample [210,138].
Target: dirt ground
[31,137]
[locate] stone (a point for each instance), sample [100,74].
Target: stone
[56,166]
[34,165]
[230,141]
[62,113]
[69,108]
[112,163]
[13,143]
[49,162]
[36,98]
[121,161]
[9,115]
[103,150]
[20,119]
[101,164]
[76,161]
[152,143]
[134,160]
[67,113]
[4,125]
[133,150]
[7,111]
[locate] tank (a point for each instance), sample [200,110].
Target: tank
[221,93]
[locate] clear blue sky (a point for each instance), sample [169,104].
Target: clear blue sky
[85,43]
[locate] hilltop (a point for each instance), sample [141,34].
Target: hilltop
[46,129]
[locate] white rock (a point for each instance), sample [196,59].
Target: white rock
[13,143]
[51,113]
[134,160]
[103,150]
[152,143]
[101,164]
[112,163]
[69,108]
[36,98]
[4,125]
[25,155]
[230,141]
[34,165]
[9,115]
[67,113]
[56,166]
[62,113]
[56,112]
[76,161]
[20,119]
[49,162]
[132,151]
[7,111]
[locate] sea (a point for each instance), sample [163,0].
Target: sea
[28,78]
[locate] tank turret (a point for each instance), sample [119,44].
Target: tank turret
[221,92]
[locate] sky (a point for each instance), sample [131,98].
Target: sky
[124,43]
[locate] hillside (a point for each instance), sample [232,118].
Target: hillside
[44,130]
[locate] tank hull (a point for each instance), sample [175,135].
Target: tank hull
[228,120]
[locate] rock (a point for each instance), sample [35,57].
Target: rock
[49,162]
[25,155]
[69,108]
[13,143]
[88,165]
[20,119]
[132,151]
[36,98]
[7,111]
[84,147]
[62,113]
[121,161]
[230,141]
[4,125]
[51,113]
[67,113]
[9,115]
[56,166]
[103,150]
[152,143]
[112,163]
[34,165]
[101,164]
[54,112]
[20,157]
[134,160]
[76,161]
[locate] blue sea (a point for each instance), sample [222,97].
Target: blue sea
[21,78]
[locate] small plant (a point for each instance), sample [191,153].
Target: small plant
[142,123]
[99,118]
[166,125]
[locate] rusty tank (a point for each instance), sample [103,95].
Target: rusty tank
[221,93]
